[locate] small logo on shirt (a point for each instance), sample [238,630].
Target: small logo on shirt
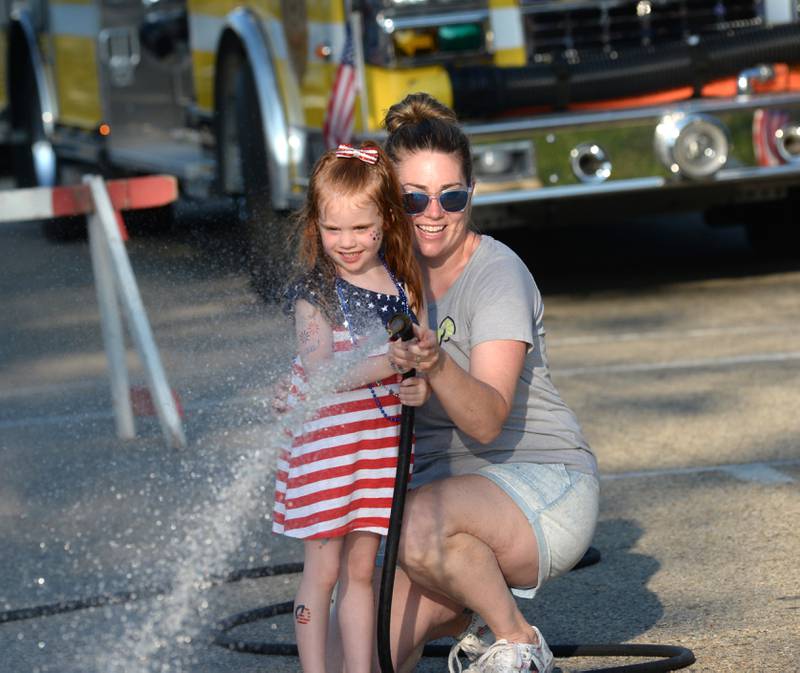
[447,328]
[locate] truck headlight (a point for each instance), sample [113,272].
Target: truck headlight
[787,142]
[692,145]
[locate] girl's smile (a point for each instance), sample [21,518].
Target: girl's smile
[351,235]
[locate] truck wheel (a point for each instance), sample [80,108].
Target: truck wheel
[264,230]
[33,157]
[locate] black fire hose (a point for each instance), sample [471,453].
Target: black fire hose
[637,72]
[399,326]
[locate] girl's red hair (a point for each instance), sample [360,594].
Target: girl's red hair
[357,179]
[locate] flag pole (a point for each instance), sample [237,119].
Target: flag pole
[358,61]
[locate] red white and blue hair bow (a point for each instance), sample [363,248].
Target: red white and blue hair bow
[368,155]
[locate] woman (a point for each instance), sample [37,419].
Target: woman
[504,492]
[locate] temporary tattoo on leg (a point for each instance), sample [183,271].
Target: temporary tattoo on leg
[302,614]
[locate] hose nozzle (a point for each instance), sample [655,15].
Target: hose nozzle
[400,327]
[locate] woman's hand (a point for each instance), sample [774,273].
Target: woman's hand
[414,391]
[421,353]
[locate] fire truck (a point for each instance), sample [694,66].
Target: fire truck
[575,108]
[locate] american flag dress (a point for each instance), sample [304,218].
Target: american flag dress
[338,474]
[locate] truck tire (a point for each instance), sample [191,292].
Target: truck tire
[263,229]
[33,158]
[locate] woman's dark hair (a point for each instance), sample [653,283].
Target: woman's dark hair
[420,122]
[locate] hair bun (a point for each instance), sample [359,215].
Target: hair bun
[415,109]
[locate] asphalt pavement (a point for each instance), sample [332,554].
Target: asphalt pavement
[700,465]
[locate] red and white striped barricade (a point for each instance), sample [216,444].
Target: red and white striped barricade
[115,282]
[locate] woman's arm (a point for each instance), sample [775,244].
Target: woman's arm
[478,401]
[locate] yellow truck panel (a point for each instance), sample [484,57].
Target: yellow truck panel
[77,88]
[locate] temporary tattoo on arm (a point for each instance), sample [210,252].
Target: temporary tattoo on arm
[309,338]
[302,614]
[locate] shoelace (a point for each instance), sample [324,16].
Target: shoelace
[469,644]
[485,662]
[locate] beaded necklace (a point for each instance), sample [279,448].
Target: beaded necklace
[348,322]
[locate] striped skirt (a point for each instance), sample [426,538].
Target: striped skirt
[338,475]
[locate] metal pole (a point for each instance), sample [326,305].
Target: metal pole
[136,316]
[111,327]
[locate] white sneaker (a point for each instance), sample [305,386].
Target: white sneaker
[473,642]
[505,657]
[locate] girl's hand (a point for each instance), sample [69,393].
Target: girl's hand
[280,394]
[421,353]
[414,391]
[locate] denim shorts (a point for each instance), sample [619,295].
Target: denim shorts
[561,506]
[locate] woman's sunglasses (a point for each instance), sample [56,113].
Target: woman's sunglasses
[453,201]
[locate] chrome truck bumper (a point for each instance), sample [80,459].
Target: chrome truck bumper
[746,140]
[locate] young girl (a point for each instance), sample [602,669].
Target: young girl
[334,486]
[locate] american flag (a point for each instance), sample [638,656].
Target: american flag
[338,126]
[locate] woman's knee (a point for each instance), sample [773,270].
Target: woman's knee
[422,535]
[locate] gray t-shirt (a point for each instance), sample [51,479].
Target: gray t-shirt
[496,298]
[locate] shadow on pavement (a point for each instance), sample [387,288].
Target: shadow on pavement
[638,254]
[605,603]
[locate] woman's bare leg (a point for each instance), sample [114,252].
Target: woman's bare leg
[466,538]
[419,616]
[313,599]
[463,542]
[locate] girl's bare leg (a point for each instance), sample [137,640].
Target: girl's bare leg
[418,616]
[312,602]
[355,601]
